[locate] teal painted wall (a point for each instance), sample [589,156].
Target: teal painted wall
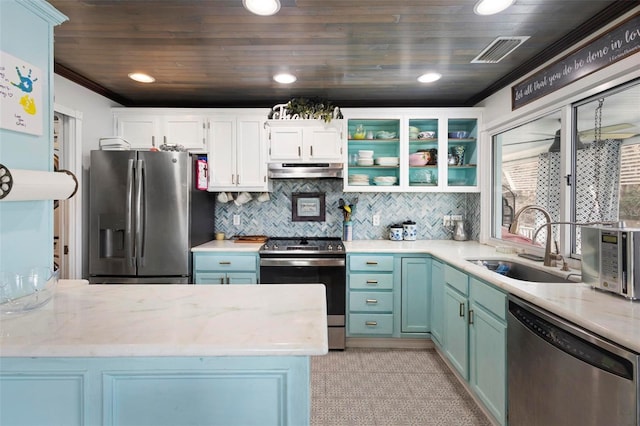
[26,228]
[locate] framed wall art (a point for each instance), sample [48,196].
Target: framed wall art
[307,207]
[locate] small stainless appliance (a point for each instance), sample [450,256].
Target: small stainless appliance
[308,260]
[560,374]
[144,216]
[609,257]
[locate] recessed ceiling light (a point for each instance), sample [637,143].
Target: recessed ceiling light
[285,78]
[429,77]
[141,77]
[262,7]
[490,7]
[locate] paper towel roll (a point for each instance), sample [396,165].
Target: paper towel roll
[22,185]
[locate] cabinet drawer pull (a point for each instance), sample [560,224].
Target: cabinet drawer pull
[462,310]
[470,316]
[224,262]
[228,281]
[299,152]
[222,280]
[311,151]
[372,301]
[371,262]
[372,323]
[372,281]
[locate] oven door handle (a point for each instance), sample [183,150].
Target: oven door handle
[310,261]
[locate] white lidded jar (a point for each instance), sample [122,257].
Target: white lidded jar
[409,230]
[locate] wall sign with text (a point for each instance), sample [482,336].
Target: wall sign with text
[618,43]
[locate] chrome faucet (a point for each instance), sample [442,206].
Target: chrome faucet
[514,230]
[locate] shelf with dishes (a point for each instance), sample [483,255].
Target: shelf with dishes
[437,149]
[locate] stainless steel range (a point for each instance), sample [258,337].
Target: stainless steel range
[305,260]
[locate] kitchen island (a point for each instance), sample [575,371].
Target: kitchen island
[163,355]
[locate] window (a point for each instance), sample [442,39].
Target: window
[604,173]
[607,159]
[524,174]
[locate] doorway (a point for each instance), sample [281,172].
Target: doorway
[67,214]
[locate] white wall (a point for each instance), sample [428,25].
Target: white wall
[97,122]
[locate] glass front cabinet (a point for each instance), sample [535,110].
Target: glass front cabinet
[419,150]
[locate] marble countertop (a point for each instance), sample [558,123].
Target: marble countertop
[605,314]
[112,320]
[227,246]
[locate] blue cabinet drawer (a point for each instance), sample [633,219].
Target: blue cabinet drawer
[371,281]
[489,297]
[456,279]
[363,262]
[221,262]
[370,324]
[371,301]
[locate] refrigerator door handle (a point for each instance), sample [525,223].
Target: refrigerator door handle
[140,175]
[128,226]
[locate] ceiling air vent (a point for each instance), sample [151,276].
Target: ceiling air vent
[498,49]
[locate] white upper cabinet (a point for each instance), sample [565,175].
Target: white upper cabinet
[305,141]
[146,128]
[236,153]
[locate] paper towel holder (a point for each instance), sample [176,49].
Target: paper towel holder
[24,185]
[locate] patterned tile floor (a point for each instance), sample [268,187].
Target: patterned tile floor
[385,387]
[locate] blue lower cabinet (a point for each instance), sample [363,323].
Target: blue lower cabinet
[474,338]
[370,295]
[456,333]
[370,324]
[437,302]
[219,268]
[167,391]
[488,378]
[415,295]
[488,343]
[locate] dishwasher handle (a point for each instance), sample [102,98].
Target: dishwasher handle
[564,337]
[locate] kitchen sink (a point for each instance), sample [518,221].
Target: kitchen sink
[519,271]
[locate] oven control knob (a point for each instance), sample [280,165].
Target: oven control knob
[330,247]
[274,247]
[339,247]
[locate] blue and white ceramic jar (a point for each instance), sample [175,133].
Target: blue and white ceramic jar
[409,231]
[395,232]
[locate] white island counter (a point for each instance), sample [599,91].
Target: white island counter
[163,355]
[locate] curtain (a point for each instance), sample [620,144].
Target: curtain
[597,184]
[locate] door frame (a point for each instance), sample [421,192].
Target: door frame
[72,160]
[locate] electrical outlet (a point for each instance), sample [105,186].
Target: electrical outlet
[456,217]
[236,219]
[446,220]
[376,220]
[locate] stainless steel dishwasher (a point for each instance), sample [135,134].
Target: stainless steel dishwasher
[560,374]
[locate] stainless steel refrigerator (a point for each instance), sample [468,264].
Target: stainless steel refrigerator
[145,215]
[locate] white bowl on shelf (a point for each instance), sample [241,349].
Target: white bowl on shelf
[365,162]
[387,161]
[385,180]
[365,153]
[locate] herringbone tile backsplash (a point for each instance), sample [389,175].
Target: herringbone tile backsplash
[273,217]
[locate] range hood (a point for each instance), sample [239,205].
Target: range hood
[305,170]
